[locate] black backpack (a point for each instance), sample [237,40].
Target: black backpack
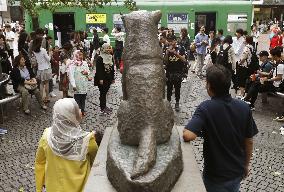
[253,66]
[222,57]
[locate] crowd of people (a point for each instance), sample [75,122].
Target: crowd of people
[218,58]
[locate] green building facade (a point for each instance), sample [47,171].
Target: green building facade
[226,15]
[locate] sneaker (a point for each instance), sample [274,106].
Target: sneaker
[279,119]
[44,107]
[104,112]
[3,131]
[52,94]
[108,109]
[184,80]
[27,112]
[281,130]
[177,107]
[252,108]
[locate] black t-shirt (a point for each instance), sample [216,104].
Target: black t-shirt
[174,64]
[224,123]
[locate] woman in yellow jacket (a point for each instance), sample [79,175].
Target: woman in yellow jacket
[65,153]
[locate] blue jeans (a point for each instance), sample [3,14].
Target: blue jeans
[228,186]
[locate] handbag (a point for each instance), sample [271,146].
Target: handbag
[30,87]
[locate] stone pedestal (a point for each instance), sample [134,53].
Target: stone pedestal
[189,180]
[160,178]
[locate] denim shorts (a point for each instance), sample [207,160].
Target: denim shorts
[228,186]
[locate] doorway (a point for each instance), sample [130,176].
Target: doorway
[64,24]
[208,19]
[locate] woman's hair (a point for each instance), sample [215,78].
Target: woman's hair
[276,51]
[249,39]
[17,60]
[228,39]
[22,40]
[184,33]
[33,35]
[67,46]
[37,44]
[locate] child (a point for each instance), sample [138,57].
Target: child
[79,76]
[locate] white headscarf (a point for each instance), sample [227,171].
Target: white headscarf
[65,137]
[107,58]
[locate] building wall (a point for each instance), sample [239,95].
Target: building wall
[222,9]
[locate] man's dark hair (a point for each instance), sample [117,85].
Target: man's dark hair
[48,38]
[249,40]
[220,31]
[105,30]
[219,79]
[276,51]
[39,31]
[245,33]
[118,29]
[240,31]
[228,39]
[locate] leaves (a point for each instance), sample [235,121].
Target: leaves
[34,6]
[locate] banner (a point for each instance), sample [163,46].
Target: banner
[3,5]
[96,18]
[177,18]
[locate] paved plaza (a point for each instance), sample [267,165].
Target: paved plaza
[18,147]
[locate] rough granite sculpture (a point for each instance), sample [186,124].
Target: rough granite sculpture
[144,152]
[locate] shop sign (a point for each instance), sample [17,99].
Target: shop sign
[177,18]
[95,18]
[3,5]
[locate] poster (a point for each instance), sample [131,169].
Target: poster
[97,26]
[96,18]
[201,20]
[177,18]
[3,5]
[177,26]
[117,21]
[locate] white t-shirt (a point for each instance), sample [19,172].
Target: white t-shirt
[9,36]
[279,70]
[106,39]
[43,59]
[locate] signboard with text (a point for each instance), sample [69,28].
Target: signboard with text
[3,5]
[96,18]
[177,18]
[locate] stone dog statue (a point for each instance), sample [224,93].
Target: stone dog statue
[145,117]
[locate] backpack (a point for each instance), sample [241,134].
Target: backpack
[222,57]
[253,66]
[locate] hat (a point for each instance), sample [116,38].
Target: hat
[263,53]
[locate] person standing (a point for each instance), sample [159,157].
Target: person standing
[255,35]
[79,76]
[228,129]
[106,38]
[65,152]
[104,76]
[10,37]
[118,48]
[201,42]
[44,72]
[220,34]
[175,60]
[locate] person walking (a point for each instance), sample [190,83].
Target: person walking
[118,48]
[104,76]
[175,60]
[106,38]
[228,129]
[65,152]
[10,37]
[79,75]
[201,42]
[44,72]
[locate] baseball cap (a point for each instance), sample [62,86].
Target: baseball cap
[263,53]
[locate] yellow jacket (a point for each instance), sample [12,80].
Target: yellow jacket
[59,174]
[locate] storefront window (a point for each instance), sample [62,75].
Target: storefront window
[236,21]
